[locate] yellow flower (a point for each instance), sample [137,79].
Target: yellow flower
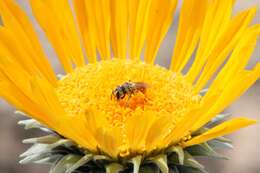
[81,106]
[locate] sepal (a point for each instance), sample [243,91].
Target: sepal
[33,124]
[114,168]
[64,163]
[204,150]
[189,161]
[179,151]
[82,161]
[161,162]
[136,161]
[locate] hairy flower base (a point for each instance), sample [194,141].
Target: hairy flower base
[65,156]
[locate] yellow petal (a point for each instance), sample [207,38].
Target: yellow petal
[108,138]
[86,26]
[35,96]
[119,27]
[226,44]
[160,19]
[14,74]
[55,17]
[15,97]
[216,21]
[138,21]
[220,130]
[64,124]
[136,134]
[47,99]
[237,61]
[182,127]
[18,34]
[191,20]
[158,131]
[103,23]
[241,82]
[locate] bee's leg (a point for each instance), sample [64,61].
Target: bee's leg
[123,96]
[128,99]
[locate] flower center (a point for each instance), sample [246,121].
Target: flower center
[153,89]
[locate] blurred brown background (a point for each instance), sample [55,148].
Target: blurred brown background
[244,158]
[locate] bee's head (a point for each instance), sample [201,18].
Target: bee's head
[115,94]
[118,93]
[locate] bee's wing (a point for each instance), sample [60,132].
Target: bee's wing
[141,85]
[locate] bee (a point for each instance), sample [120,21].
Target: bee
[128,88]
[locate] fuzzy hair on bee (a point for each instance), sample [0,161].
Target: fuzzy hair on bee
[128,88]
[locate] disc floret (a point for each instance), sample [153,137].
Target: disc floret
[90,87]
